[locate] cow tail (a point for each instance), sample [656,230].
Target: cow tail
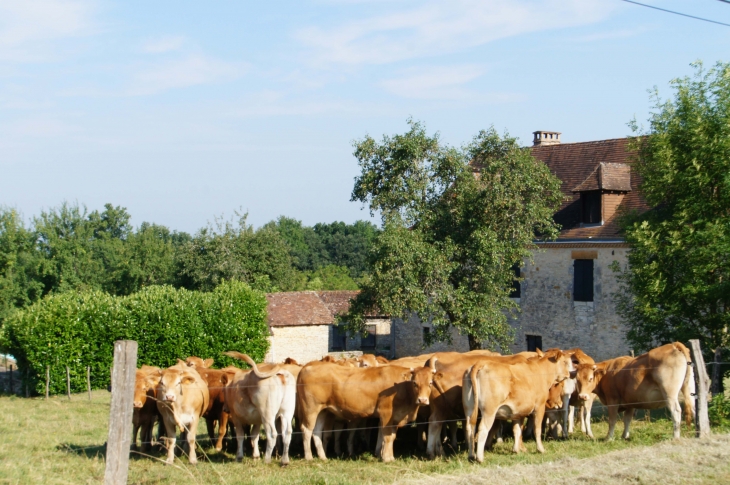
[250,361]
[688,386]
[475,389]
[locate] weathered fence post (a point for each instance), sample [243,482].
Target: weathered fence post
[120,413]
[48,379]
[68,383]
[88,381]
[11,378]
[716,374]
[702,419]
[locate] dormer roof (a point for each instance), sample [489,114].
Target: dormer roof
[607,176]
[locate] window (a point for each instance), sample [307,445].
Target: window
[582,280]
[534,342]
[590,202]
[339,339]
[368,342]
[516,287]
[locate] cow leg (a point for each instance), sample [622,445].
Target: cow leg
[222,429]
[586,415]
[240,439]
[612,418]
[318,427]
[517,430]
[539,414]
[469,426]
[307,430]
[255,433]
[352,433]
[434,437]
[286,429]
[170,439]
[190,438]
[329,422]
[271,435]
[485,428]
[146,436]
[337,427]
[135,429]
[210,423]
[386,437]
[628,416]
[565,415]
[676,410]
[498,434]
[571,419]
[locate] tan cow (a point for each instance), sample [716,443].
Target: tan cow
[145,404]
[258,398]
[561,418]
[511,392]
[649,381]
[183,398]
[390,393]
[446,395]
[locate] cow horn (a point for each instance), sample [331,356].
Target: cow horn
[433,364]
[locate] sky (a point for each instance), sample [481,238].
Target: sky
[183,111]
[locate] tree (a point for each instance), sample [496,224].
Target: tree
[676,285]
[233,250]
[455,222]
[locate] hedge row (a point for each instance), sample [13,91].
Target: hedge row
[79,329]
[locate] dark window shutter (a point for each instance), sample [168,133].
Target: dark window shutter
[534,342]
[583,280]
[516,287]
[591,205]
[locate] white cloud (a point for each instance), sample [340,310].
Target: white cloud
[193,70]
[439,27]
[28,28]
[434,82]
[164,44]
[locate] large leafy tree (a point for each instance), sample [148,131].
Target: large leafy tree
[677,282]
[455,223]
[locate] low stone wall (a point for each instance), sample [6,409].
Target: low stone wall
[303,343]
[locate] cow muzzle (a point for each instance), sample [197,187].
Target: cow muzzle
[137,404]
[583,397]
[422,401]
[170,397]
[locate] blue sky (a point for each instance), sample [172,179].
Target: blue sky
[181,111]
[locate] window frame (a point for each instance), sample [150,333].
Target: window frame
[583,280]
[535,340]
[591,202]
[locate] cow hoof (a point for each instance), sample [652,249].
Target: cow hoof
[267,460]
[239,459]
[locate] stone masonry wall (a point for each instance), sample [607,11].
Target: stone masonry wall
[408,339]
[548,309]
[303,343]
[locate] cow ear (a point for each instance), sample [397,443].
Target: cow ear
[224,379]
[208,362]
[181,362]
[539,352]
[439,375]
[188,380]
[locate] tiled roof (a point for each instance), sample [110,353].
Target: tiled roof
[297,308]
[573,164]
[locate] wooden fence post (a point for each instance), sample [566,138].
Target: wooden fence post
[120,413]
[702,419]
[48,379]
[88,381]
[68,383]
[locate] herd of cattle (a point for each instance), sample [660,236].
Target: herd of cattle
[480,388]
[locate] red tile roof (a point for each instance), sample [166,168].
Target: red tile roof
[297,308]
[575,164]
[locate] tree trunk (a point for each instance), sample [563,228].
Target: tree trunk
[716,374]
[474,344]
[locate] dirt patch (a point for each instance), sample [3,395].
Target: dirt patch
[685,461]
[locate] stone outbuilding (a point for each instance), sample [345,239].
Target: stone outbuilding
[303,326]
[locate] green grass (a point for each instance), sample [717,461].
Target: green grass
[60,441]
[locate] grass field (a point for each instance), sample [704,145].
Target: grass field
[60,441]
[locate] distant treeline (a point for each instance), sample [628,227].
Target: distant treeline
[70,248]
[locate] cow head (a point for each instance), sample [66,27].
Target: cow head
[587,379]
[563,361]
[555,396]
[173,382]
[290,361]
[422,382]
[193,361]
[367,360]
[145,384]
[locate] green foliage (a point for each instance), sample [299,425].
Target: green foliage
[330,277]
[677,283]
[719,411]
[235,251]
[455,222]
[78,329]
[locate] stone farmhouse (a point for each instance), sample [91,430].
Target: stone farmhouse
[565,296]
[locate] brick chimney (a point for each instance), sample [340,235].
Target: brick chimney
[545,138]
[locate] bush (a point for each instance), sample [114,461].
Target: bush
[79,329]
[719,411]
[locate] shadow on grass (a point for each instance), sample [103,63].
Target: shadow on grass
[85,451]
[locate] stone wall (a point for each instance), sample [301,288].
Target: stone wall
[303,343]
[548,309]
[408,339]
